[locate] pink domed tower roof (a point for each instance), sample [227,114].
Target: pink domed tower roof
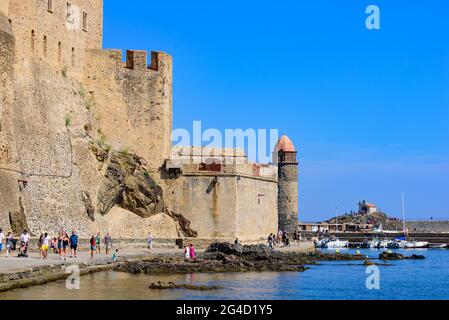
[285,144]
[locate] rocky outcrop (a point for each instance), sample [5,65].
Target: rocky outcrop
[128,184]
[90,210]
[224,257]
[377,219]
[397,256]
[17,220]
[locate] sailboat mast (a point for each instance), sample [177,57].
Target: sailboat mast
[403,216]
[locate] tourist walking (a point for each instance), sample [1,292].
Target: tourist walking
[192,252]
[65,245]
[45,244]
[108,242]
[98,243]
[280,234]
[2,238]
[54,245]
[93,244]
[150,241]
[270,240]
[39,245]
[60,243]
[115,256]
[73,244]
[284,238]
[9,244]
[187,252]
[24,242]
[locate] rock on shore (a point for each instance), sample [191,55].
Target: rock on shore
[225,257]
[397,256]
[171,285]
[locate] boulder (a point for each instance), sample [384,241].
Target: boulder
[390,256]
[416,257]
[225,248]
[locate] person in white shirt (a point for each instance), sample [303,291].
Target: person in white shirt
[24,239]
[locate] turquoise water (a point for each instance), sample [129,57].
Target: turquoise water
[409,279]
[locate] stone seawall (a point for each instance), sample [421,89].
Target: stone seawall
[428,226]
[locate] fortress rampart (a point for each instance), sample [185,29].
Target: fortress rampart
[57,32]
[85,140]
[133,101]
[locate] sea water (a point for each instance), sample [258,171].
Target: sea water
[402,280]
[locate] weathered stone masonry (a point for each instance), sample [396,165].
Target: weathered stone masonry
[85,140]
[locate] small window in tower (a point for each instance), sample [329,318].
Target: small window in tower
[33,40]
[45,46]
[70,15]
[59,52]
[85,21]
[50,6]
[73,57]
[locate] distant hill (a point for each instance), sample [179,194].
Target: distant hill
[377,219]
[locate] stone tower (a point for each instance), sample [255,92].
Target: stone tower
[288,185]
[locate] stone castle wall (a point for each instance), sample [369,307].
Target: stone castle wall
[49,35]
[133,102]
[227,201]
[83,141]
[60,123]
[8,189]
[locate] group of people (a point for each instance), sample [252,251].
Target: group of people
[9,242]
[280,238]
[58,245]
[189,252]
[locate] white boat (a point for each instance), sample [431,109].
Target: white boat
[413,244]
[331,243]
[406,244]
[337,244]
[383,244]
[438,246]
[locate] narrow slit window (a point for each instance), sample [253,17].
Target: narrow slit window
[73,57]
[50,6]
[45,45]
[69,14]
[33,40]
[59,52]
[85,21]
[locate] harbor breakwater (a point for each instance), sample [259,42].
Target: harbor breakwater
[357,237]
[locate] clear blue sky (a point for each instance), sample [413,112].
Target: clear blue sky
[367,110]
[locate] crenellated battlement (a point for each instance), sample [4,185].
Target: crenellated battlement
[134,59]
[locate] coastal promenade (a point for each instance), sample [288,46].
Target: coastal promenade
[24,272]
[13,263]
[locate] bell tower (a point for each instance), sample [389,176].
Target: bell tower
[288,185]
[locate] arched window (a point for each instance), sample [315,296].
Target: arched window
[59,52]
[33,40]
[73,57]
[45,46]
